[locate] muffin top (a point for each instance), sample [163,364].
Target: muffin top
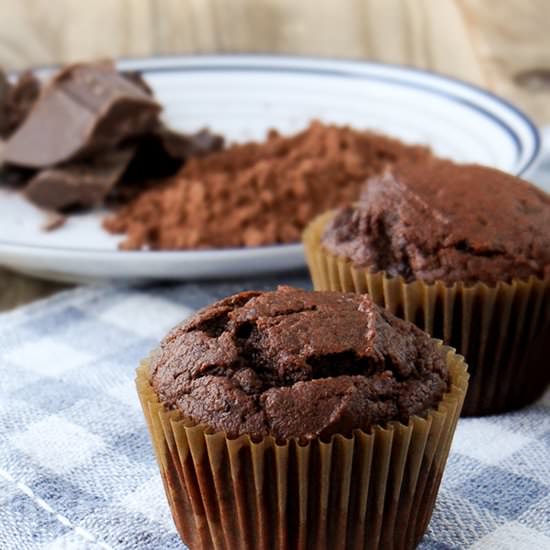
[297,364]
[439,220]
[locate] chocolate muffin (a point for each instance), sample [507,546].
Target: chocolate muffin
[464,252]
[442,221]
[297,364]
[270,407]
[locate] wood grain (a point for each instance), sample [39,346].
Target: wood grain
[487,42]
[511,38]
[16,290]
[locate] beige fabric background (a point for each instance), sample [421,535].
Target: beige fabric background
[503,45]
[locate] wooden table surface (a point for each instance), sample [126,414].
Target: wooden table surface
[503,45]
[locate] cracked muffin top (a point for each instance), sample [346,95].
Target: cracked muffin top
[443,221]
[297,364]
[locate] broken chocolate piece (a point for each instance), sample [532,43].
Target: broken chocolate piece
[162,152]
[16,101]
[152,160]
[183,146]
[5,88]
[63,150]
[81,184]
[160,155]
[14,176]
[136,78]
[54,220]
[84,110]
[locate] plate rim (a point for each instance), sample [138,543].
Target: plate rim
[161,255]
[340,66]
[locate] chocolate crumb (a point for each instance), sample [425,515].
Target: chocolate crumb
[54,220]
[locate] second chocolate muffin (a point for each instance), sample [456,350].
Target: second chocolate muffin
[464,252]
[441,221]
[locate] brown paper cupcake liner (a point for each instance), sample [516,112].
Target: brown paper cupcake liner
[368,491]
[502,331]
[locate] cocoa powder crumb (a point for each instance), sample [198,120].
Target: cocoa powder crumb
[256,194]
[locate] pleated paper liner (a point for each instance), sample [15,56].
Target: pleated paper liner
[502,331]
[368,491]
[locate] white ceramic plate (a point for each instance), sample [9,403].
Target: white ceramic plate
[243,96]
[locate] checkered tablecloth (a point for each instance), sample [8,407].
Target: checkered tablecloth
[77,469]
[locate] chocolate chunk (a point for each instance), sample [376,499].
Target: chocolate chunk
[153,160]
[64,147]
[16,101]
[5,88]
[54,220]
[4,85]
[15,176]
[161,154]
[135,77]
[183,146]
[85,109]
[81,184]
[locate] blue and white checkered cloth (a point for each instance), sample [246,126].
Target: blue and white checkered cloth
[77,468]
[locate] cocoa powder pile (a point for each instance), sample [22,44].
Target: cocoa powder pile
[256,194]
